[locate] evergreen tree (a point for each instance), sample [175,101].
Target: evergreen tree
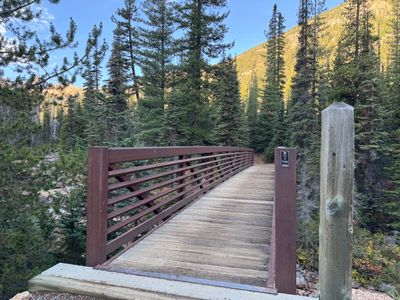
[252,110]
[126,22]
[156,54]
[117,81]
[203,39]
[356,80]
[390,204]
[229,127]
[117,86]
[94,104]
[272,99]
[303,117]
[46,124]
[72,228]
[72,125]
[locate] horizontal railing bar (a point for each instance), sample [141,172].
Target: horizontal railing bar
[227,170]
[127,196]
[125,209]
[140,203]
[129,183]
[148,224]
[114,173]
[117,155]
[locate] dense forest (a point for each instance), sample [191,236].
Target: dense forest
[171,81]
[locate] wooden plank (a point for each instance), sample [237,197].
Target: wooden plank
[199,270]
[206,245]
[259,256]
[212,258]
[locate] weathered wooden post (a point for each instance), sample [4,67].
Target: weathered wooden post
[285,220]
[96,234]
[337,175]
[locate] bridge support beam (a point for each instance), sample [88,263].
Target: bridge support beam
[337,176]
[285,220]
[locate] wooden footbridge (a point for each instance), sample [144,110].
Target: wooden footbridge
[208,223]
[194,215]
[190,213]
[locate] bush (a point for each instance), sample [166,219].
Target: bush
[376,261]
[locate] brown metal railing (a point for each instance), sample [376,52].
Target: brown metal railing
[132,190]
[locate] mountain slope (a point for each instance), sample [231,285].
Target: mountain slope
[254,59]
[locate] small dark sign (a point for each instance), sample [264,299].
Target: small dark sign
[285,158]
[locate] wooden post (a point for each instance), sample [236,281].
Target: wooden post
[337,175]
[96,234]
[285,220]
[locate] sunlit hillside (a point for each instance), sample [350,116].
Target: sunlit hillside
[254,59]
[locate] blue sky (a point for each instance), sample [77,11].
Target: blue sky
[247,19]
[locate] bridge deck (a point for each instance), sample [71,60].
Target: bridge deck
[224,236]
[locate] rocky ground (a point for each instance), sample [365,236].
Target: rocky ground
[307,283]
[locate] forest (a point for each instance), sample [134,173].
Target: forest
[167,79]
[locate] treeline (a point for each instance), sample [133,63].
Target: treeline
[355,77]
[170,81]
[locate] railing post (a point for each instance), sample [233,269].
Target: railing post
[285,220]
[337,176]
[96,235]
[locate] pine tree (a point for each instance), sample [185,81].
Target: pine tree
[229,127]
[95,107]
[272,99]
[390,203]
[203,39]
[72,125]
[303,117]
[46,124]
[252,110]
[117,82]
[156,54]
[357,82]
[117,85]
[126,22]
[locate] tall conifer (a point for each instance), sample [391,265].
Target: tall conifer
[203,39]
[356,80]
[156,55]
[272,98]
[126,21]
[303,115]
[229,128]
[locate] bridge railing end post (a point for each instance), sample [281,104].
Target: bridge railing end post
[96,232]
[285,218]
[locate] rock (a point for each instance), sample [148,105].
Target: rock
[386,288]
[51,158]
[356,285]
[300,280]
[43,196]
[59,184]
[22,296]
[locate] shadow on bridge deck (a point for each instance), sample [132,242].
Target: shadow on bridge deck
[225,236]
